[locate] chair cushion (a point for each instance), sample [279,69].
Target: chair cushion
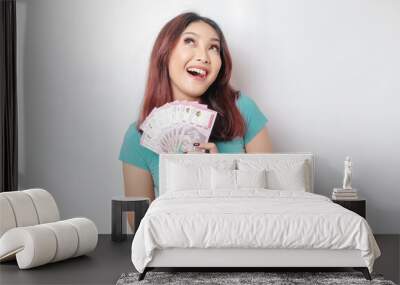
[23,208]
[7,215]
[40,244]
[45,205]
[27,208]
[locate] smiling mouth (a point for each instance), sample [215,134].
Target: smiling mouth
[197,75]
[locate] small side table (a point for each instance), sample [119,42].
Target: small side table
[358,206]
[122,204]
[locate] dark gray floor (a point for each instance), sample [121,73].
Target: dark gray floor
[111,259]
[389,262]
[102,266]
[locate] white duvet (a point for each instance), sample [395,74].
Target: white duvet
[250,218]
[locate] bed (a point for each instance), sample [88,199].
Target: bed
[247,210]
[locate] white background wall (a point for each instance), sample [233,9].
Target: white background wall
[326,73]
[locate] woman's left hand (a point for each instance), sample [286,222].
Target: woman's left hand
[207,147]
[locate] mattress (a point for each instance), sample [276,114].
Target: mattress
[250,219]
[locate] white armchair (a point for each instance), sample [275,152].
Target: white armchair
[32,233]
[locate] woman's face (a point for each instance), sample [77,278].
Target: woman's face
[195,61]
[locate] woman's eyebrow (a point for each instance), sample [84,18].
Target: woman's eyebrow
[212,39]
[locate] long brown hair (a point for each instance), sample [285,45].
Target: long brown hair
[220,96]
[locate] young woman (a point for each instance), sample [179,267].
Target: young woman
[185,42]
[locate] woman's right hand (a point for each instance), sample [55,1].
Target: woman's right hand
[204,148]
[208,147]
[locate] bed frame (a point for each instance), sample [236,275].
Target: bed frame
[241,259]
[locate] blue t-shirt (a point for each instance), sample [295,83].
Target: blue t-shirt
[134,153]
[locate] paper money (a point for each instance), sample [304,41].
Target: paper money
[175,126]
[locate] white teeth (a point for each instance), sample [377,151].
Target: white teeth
[199,71]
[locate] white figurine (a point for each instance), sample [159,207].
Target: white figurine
[347,173]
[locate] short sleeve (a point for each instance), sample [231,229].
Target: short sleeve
[254,117]
[132,151]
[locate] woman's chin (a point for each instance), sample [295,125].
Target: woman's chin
[195,94]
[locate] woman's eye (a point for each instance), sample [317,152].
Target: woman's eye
[188,40]
[216,48]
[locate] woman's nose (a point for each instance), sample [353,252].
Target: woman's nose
[203,57]
[203,60]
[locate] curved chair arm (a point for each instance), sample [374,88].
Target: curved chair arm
[27,208]
[45,243]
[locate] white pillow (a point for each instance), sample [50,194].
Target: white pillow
[229,179]
[287,179]
[251,178]
[187,177]
[223,179]
[281,174]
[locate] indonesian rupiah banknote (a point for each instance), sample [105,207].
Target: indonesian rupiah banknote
[175,126]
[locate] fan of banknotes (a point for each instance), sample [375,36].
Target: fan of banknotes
[175,126]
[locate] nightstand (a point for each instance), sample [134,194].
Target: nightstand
[358,206]
[122,204]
